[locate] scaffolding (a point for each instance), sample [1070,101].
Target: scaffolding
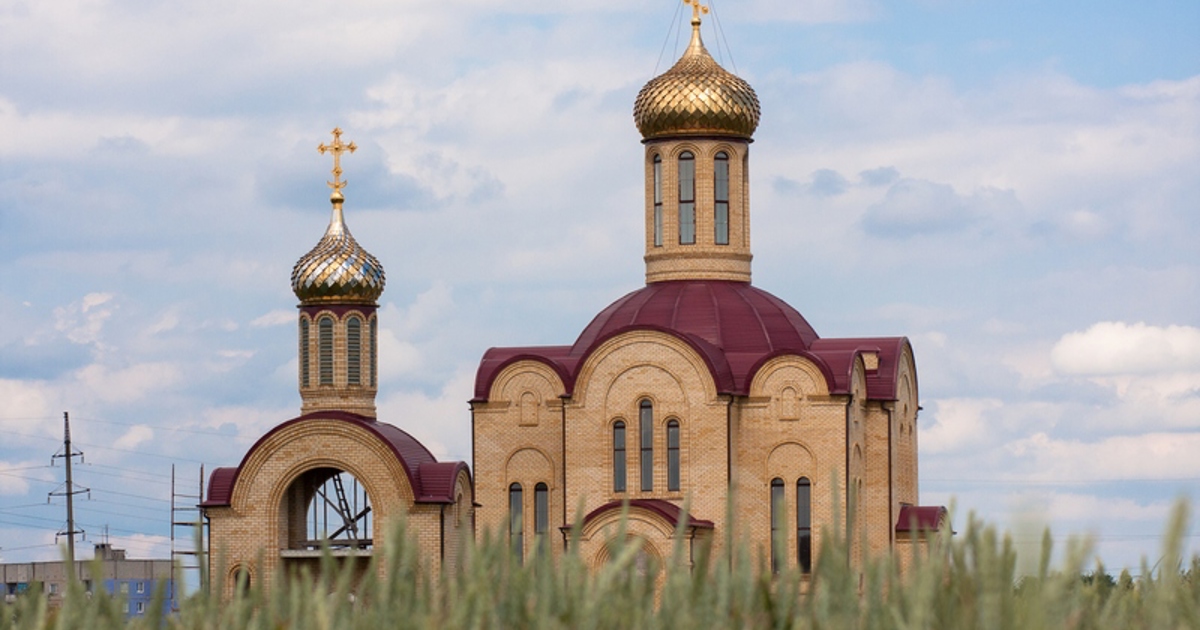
[188,530]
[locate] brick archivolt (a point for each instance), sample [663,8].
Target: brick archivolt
[790,461]
[278,461]
[529,466]
[611,363]
[532,387]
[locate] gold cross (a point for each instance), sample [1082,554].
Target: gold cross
[697,9]
[337,149]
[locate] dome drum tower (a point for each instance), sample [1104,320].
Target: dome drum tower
[338,284]
[696,121]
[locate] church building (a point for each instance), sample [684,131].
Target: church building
[696,397]
[699,395]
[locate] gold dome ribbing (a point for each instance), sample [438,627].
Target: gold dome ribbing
[338,270]
[696,97]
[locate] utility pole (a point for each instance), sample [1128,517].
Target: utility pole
[69,454]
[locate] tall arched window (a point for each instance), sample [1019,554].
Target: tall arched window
[673,456]
[804,524]
[354,351]
[658,202]
[516,522]
[305,368]
[372,343]
[778,526]
[619,456]
[721,198]
[687,198]
[541,516]
[646,457]
[325,350]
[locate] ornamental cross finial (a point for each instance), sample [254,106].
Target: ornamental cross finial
[337,149]
[697,9]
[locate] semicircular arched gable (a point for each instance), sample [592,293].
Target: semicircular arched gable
[526,375]
[790,460]
[631,349]
[789,370]
[528,465]
[276,462]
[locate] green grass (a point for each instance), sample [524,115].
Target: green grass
[967,581]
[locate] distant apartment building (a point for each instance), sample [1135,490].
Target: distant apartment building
[134,580]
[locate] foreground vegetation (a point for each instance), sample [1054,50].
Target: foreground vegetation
[967,581]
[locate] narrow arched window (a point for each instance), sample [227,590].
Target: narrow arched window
[673,456]
[658,202]
[373,343]
[305,368]
[646,458]
[721,198]
[778,526]
[516,522]
[541,516]
[354,351]
[325,350]
[619,456]
[804,524]
[687,198]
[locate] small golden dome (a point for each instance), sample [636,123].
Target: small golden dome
[338,270]
[696,97]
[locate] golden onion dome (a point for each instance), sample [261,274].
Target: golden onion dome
[696,97]
[338,270]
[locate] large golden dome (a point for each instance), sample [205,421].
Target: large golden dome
[696,97]
[338,270]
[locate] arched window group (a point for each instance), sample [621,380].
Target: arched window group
[361,363]
[685,170]
[516,519]
[779,527]
[646,428]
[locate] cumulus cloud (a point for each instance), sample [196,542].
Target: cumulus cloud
[1115,348]
[958,424]
[124,385]
[1142,456]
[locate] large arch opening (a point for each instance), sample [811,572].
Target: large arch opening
[328,507]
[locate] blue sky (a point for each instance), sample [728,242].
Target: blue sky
[1012,185]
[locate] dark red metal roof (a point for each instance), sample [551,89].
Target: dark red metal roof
[921,518]
[431,481]
[734,326]
[670,512]
[220,486]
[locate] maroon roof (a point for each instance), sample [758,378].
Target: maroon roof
[431,481]
[670,512]
[921,518]
[734,326]
[220,486]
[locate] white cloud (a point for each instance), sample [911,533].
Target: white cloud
[277,317]
[125,385]
[958,424]
[83,321]
[1138,456]
[1115,348]
[134,437]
